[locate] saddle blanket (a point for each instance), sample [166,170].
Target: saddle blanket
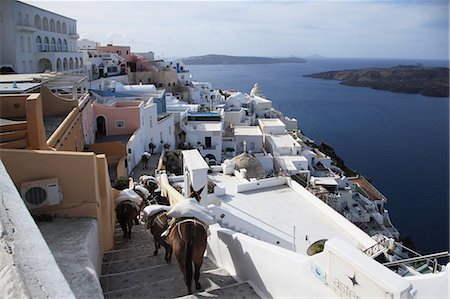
[190,207]
[151,210]
[130,195]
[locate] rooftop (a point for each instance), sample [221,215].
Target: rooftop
[26,87]
[285,210]
[285,140]
[289,161]
[212,126]
[247,130]
[271,122]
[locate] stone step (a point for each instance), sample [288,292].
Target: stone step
[166,282]
[131,263]
[237,290]
[141,276]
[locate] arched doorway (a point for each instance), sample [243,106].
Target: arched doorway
[58,65]
[101,126]
[44,64]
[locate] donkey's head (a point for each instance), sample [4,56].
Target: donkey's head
[196,194]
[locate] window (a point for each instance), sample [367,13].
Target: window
[150,122]
[64,28]
[22,44]
[58,26]
[46,45]
[59,47]
[45,24]
[120,124]
[29,44]
[53,45]
[64,48]
[52,25]
[39,43]
[207,142]
[37,22]
[19,18]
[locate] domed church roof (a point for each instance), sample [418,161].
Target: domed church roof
[256,91]
[251,164]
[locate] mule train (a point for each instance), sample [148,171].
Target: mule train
[179,232]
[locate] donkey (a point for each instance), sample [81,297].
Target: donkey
[128,211]
[188,239]
[158,224]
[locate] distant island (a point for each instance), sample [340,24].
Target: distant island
[427,81]
[226,59]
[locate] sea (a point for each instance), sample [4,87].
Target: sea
[399,141]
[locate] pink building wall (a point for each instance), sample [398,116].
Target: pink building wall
[128,112]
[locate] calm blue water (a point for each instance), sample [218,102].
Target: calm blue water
[400,141]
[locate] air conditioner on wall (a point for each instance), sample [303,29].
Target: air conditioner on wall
[41,193]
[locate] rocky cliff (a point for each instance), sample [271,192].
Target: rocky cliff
[427,81]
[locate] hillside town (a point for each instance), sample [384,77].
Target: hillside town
[81,121]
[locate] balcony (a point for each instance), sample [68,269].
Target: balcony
[74,35]
[26,28]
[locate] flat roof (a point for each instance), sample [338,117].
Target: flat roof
[213,126]
[284,140]
[271,122]
[25,77]
[281,208]
[247,131]
[289,161]
[22,87]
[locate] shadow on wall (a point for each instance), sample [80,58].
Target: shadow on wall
[243,263]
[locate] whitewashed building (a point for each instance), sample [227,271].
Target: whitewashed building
[36,40]
[272,126]
[251,136]
[204,132]
[282,145]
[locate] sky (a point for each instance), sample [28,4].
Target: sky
[409,29]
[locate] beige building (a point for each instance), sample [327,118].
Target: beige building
[43,136]
[123,51]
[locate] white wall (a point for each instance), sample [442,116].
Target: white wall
[254,143]
[273,271]
[266,161]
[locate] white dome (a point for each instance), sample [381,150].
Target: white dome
[256,91]
[235,100]
[250,163]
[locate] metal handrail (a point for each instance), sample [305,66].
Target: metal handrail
[418,259]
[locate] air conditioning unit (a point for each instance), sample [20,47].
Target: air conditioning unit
[41,193]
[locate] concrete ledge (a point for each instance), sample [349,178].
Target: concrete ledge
[260,184]
[75,246]
[27,267]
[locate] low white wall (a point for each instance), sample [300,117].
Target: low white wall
[363,239]
[259,184]
[273,271]
[28,268]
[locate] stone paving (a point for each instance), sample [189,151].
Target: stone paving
[131,270]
